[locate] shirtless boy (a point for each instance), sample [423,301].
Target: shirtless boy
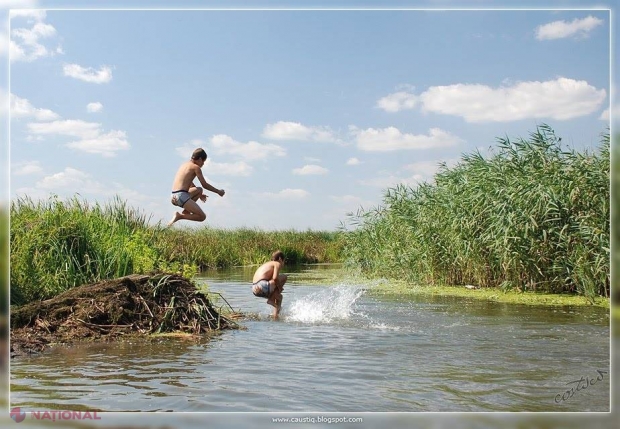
[185,194]
[269,283]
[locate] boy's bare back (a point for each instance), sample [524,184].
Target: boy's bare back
[185,176]
[265,271]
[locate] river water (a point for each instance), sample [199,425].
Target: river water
[339,348]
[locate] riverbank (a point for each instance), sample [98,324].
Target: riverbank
[339,274]
[492,294]
[489,294]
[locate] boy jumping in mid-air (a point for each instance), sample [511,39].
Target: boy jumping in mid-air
[185,194]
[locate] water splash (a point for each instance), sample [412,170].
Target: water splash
[325,305]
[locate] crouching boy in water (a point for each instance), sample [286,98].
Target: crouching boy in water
[269,283]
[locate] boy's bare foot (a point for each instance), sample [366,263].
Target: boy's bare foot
[176,217]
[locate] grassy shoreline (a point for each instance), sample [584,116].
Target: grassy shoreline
[403,288]
[494,294]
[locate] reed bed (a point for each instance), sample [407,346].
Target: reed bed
[531,216]
[615,219]
[59,244]
[216,248]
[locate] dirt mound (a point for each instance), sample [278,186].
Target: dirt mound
[137,304]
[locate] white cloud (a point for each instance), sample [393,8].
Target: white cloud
[31,192]
[227,169]
[398,101]
[611,114]
[428,169]
[285,194]
[103,75]
[559,99]
[295,131]
[25,42]
[103,144]
[423,168]
[389,139]
[18,4]
[5,41]
[94,107]
[68,127]
[187,149]
[67,182]
[384,181]
[345,204]
[21,108]
[577,28]
[73,179]
[350,201]
[26,168]
[92,138]
[35,14]
[410,174]
[252,150]
[310,170]
[353,161]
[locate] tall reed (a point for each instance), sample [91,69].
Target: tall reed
[615,219]
[533,216]
[217,248]
[56,245]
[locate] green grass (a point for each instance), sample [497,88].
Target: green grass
[532,216]
[57,245]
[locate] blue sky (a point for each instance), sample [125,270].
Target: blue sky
[305,115]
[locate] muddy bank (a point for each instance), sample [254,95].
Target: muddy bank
[107,310]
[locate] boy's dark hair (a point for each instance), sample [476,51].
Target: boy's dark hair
[199,154]
[277,255]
